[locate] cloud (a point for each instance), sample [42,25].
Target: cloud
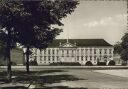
[107,21]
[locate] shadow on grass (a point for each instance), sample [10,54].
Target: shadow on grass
[20,73]
[60,87]
[18,87]
[46,79]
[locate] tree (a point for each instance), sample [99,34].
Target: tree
[124,45]
[30,23]
[118,48]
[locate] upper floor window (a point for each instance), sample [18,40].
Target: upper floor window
[53,51]
[94,51]
[110,51]
[49,51]
[57,51]
[77,58]
[67,53]
[90,51]
[94,58]
[100,51]
[45,51]
[105,51]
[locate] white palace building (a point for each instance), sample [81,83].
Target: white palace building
[74,50]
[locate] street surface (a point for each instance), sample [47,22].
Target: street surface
[52,78]
[91,79]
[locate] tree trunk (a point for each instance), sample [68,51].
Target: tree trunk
[9,72]
[27,60]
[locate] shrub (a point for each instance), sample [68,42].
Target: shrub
[101,63]
[13,63]
[33,63]
[89,63]
[111,63]
[65,64]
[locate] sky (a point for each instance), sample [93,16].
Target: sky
[96,20]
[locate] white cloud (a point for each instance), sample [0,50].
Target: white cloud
[107,21]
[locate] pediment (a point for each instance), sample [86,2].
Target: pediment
[68,45]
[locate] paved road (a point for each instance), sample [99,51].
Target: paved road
[86,79]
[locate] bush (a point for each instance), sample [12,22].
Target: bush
[111,63]
[101,63]
[89,63]
[13,64]
[33,63]
[65,64]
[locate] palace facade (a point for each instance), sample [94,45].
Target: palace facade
[74,50]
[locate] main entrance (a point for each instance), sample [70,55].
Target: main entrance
[67,53]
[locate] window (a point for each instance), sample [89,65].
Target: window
[57,58]
[77,51]
[40,58]
[110,51]
[53,51]
[48,58]
[49,51]
[94,51]
[53,58]
[82,58]
[100,51]
[82,50]
[77,58]
[72,53]
[86,58]
[94,58]
[67,52]
[62,53]
[90,57]
[90,51]
[105,51]
[57,51]
[45,51]
[44,58]
[86,50]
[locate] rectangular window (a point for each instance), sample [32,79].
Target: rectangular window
[49,51]
[94,58]
[72,53]
[105,51]
[57,51]
[94,51]
[90,57]
[53,58]
[67,53]
[44,58]
[82,58]
[86,58]
[100,51]
[90,51]
[45,51]
[62,53]
[77,58]
[57,58]
[110,51]
[48,58]
[53,51]
[82,51]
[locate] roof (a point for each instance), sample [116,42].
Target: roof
[80,42]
